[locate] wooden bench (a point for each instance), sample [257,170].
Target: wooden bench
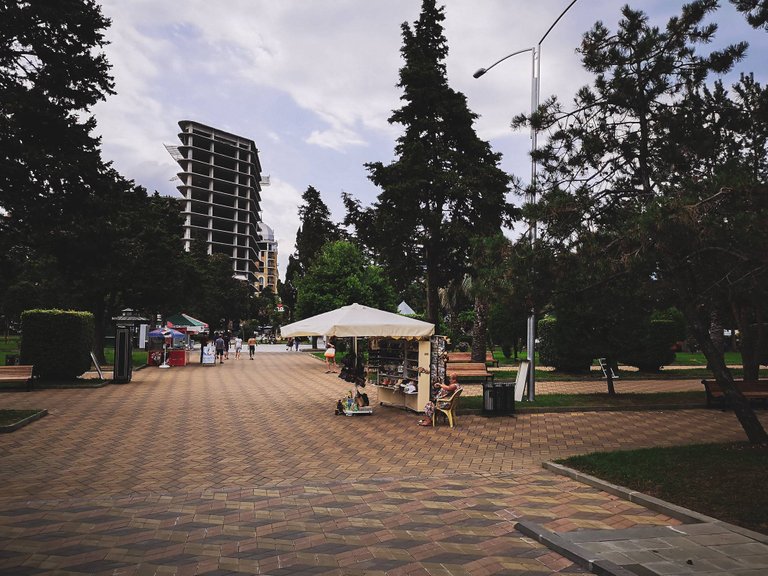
[17,374]
[469,371]
[467,357]
[751,389]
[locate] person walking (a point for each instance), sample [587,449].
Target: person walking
[330,357]
[251,346]
[227,344]
[220,348]
[238,347]
[296,343]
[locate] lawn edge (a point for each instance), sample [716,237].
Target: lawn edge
[680,513]
[24,422]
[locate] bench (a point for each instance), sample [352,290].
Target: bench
[467,357]
[469,371]
[751,389]
[17,374]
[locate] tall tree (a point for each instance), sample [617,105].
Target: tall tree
[635,168]
[315,231]
[52,70]
[444,185]
[340,275]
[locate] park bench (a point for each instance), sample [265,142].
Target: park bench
[467,357]
[17,374]
[751,389]
[468,371]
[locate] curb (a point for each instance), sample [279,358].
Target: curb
[638,408]
[573,552]
[24,422]
[583,557]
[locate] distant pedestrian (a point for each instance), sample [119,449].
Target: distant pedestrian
[227,344]
[296,343]
[220,344]
[238,347]
[289,344]
[330,357]
[251,346]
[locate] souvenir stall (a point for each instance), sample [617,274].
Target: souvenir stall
[186,324]
[167,347]
[404,356]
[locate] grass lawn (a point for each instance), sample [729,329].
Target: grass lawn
[10,417]
[726,481]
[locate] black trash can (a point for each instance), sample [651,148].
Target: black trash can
[498,398]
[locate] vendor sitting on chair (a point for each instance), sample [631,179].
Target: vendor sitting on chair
[443,390]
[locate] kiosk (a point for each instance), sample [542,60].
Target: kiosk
[403,352]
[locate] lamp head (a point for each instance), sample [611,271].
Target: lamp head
[479,72]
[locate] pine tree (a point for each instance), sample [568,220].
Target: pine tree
[652,178]
[444,187]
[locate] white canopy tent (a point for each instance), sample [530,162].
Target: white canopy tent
[358,320]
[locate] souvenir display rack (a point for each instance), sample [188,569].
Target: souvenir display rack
[404,370]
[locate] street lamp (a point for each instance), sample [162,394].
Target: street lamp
[535,86]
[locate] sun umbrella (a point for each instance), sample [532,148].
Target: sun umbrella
[358,320]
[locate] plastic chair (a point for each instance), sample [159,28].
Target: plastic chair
[447,406]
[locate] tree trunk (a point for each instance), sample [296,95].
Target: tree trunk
[433,301]
[716,333]
[479,330]
[751,330]
[716,361]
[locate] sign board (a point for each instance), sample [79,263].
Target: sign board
[209,355]
[522,379]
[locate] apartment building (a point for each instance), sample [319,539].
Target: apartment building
[221,188]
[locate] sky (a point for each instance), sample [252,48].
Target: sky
[313,82]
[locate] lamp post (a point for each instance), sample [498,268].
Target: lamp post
[535,86]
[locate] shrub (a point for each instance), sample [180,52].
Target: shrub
[57,342]
[652,347]
[561,348]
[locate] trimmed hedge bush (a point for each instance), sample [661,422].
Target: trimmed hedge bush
[653,346]
[562,349]
[57,342]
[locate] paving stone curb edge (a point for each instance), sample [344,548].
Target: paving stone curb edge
[604,568]
[24,422]
[685,515]
[573,552]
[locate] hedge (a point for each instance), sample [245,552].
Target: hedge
[57,342]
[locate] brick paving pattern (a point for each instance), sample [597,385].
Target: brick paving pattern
[242,468]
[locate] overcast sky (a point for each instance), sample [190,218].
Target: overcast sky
[312,82]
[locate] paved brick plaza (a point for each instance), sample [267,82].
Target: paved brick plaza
[243,468]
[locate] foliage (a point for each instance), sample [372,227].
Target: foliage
[444,182]
[562,347]
[315,231]
[71,331]
[662,176]
[340,276]
[652,346]
[52,70]
[756,12]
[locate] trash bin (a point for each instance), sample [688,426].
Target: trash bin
[11,359]
[498,398]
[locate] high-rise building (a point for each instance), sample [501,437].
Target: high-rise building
[221,188]
[266,277]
